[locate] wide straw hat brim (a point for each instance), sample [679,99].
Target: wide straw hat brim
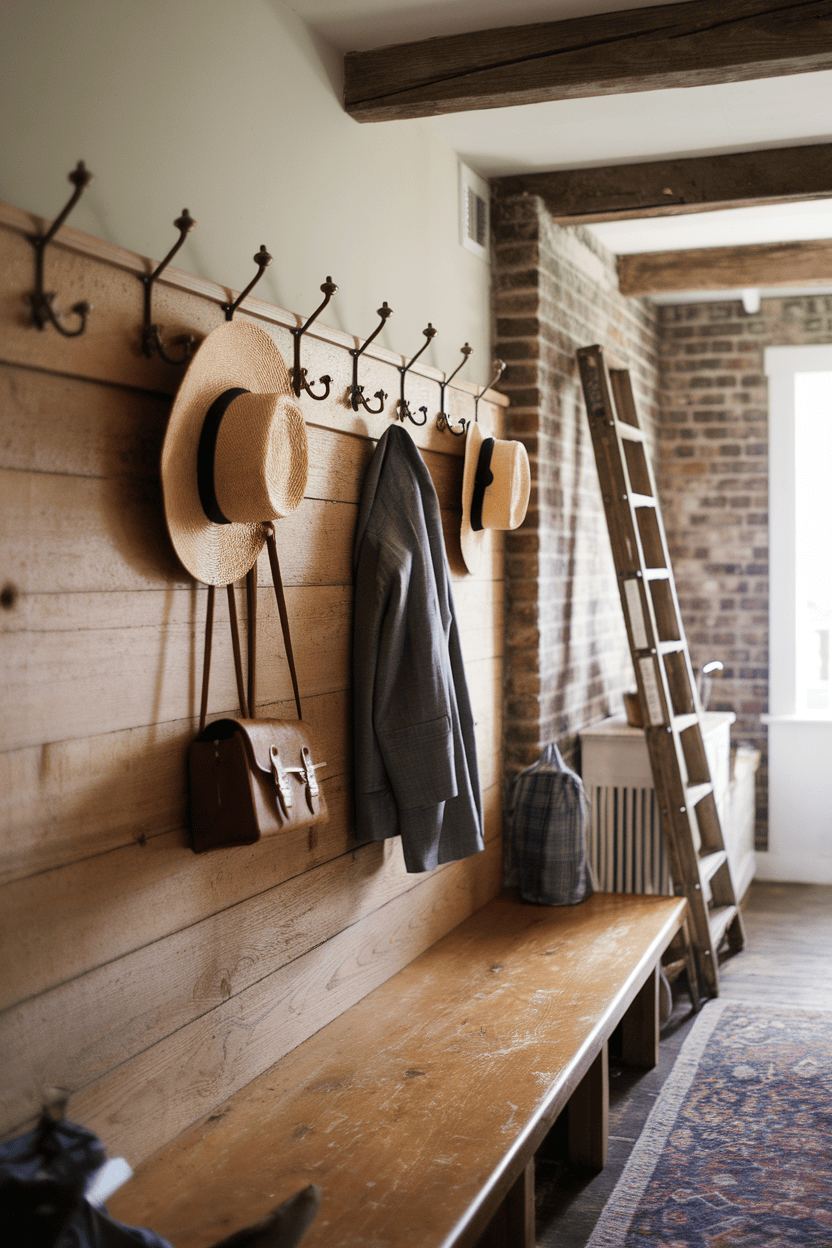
[233,355]
[471,540]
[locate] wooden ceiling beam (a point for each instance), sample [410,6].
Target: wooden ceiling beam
[727,268]
[695,43]
[667,188]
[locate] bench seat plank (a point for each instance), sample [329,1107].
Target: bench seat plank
[418,1109]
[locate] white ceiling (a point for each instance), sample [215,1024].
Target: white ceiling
[601,130]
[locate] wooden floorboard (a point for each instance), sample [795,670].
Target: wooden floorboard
[785,963]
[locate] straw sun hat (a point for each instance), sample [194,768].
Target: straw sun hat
[235,453]
[495,490]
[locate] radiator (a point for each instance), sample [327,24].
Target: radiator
[625,842]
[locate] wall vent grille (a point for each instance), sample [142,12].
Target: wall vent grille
[474,212]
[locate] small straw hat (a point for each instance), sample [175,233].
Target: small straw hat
[495,490]
[235,453]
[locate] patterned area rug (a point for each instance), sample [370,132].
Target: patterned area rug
[737,1152]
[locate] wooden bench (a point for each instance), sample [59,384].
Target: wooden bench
[418,1112]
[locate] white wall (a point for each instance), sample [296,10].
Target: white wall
[232,109]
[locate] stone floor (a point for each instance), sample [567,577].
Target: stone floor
[786,961]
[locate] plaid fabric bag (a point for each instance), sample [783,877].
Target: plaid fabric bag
[547,858]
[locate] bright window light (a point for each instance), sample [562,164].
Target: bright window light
[813,540]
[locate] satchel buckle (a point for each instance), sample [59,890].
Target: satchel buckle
[308,773]
[281,777]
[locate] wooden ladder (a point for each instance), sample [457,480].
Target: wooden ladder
[668,696]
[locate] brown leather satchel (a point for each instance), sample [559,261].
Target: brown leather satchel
[252,777]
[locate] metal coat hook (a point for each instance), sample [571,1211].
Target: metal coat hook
[443,421]
[151,336]
[404,406]
[299,381]
[500,367]
[262,260]
[357,392]
[41,301]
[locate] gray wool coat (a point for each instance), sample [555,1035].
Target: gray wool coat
[415,757]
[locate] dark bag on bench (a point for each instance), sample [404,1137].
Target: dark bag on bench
[547,858]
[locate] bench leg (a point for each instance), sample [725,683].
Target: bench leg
[513,1224]
[589,1115]
[640,1026]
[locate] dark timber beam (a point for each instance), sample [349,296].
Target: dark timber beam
[673,45]
[667,188]
[727,268]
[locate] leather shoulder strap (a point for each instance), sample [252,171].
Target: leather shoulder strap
[247,704]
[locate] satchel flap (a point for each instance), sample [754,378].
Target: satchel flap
[259,735]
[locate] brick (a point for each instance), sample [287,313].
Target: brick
[517,327]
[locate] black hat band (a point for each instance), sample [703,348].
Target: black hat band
[483,478]
[206,451]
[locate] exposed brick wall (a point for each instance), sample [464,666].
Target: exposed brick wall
[697,371]
[712,474]
[556,290]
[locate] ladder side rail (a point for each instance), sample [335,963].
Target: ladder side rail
[628,555]
[622,389]
[631,514]
[710,830]
[708,836]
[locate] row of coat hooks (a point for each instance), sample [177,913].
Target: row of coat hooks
[44,313]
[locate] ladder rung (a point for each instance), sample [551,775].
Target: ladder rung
[695,792]
[662,665]
[719,919]
[670,647]
[710,863]
[631,432]
[673,969]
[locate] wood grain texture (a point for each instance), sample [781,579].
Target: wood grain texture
[417,1110]
[147,980]
[111,904]
[807,263]
[82,665]
[513,1225]
[47,1040]
[589,1115]
[108,351]
[138,1107]
[640,1029]
[68,800]
[666,188]
[672,45]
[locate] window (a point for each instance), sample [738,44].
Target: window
[813,539]
[800,526]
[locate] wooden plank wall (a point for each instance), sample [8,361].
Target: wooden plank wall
[142,981]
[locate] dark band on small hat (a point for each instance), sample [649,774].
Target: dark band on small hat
[206,451]
[482,480]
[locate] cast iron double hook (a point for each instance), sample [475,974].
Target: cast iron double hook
[262,259]
[42,301]
[404,406]
[299,382]
[443,420]
[151,333]
[499,365]
[357,392]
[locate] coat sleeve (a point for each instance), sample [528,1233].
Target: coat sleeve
[402,699]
